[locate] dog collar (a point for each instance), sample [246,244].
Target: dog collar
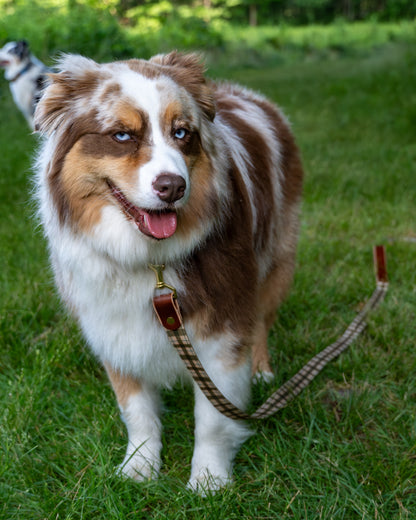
[23,71]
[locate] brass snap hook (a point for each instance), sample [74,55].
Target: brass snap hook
[160,283]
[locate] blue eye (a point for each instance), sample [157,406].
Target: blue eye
[180,133]
[122,137]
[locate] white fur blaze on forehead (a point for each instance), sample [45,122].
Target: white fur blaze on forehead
[139,89]
[152,87]
[187,71]
[151,97]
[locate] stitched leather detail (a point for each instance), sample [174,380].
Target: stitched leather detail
[167,310]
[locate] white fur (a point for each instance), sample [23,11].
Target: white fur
[253,114]
[146,94]
[217,440]
[240,157]
[103,276]
[105,279]
[141,415]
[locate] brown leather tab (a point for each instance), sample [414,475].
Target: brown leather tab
[167,310]
[380,263]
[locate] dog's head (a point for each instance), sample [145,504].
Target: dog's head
[14,53]
[131,140]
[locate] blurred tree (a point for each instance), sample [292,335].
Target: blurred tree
[252,17]
[241,12]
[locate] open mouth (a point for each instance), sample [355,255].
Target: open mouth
[4,63]
[155,224]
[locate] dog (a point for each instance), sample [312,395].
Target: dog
[26,76]
[150,162]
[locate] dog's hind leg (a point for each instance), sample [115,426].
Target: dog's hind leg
[260,362]
[139,405]
[271,295]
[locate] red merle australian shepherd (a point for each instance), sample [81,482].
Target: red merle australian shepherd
[148,162]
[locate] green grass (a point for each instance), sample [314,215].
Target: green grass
[346,448]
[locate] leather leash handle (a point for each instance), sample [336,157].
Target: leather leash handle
[380,264]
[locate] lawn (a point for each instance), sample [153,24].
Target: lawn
[346,447]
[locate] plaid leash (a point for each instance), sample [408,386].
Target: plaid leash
[167,309]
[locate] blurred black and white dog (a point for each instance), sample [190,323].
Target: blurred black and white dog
[25,74]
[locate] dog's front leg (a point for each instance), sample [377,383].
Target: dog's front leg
[139,404]
[218,438]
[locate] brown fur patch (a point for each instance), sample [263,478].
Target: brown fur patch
[105,145]
[171,113]
[129,119]
[124,386]
[83,193]
[66,89]
[233,97]
[110,92]
[260,361]
[203,202]
[178,115]
[143,67]
[291,163]
[221,276]
[260,171]
[77,128]
[271,294]
[83,179]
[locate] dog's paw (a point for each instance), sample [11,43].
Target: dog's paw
[205,483]
[138,468]
[262,376]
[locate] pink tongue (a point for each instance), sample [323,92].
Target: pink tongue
[160,225]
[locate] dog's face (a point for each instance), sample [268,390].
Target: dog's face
[130,144]
[13,54]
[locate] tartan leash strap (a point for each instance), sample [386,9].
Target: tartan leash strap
[167,309]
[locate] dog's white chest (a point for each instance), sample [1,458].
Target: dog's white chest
[117,317]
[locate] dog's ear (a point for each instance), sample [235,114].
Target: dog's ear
[65,90]
[189,72]
[21,49]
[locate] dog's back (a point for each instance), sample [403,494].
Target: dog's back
[255,250]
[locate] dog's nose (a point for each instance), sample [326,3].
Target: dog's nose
[169,187]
